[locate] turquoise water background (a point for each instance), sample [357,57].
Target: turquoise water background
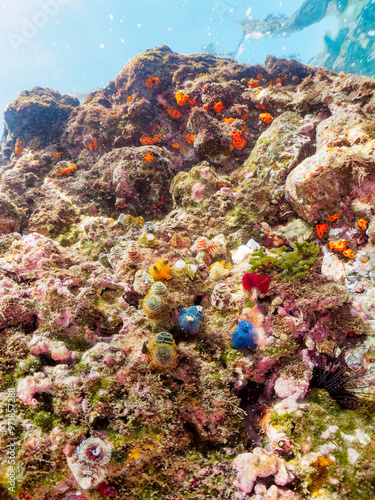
[77,46]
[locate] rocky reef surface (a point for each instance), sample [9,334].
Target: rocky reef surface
[136,361]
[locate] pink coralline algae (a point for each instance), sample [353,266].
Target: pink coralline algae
[64,319]
[7,286]
[57,349]
[260,463]
[197,192]
[273,493]
[29,386]
[206,173]
[35,254]
[288,387]
[333,268]
[49,286]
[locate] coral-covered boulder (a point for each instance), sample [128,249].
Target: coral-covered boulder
[318,184]
[87,225]
[39,113]
[344,128]
[92,126]
[282,146]
[139,178]
[52,218]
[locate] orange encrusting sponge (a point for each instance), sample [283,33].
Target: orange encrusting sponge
[238,141]
[67,170]
[151,80]
[182,98]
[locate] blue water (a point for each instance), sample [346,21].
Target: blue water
[77,46]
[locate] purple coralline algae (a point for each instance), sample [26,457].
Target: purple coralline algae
[125,216]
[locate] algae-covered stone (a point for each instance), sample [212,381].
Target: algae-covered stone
[38,112]
[295,230]
[137,182]
[344,128]
[196,186]
[282,146]
[318,184]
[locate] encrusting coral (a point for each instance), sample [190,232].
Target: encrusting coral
[188,313]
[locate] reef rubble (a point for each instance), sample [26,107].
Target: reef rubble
[127,224]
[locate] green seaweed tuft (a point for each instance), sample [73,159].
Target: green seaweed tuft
[294,264]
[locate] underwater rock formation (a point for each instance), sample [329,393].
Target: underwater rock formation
[40,112]
[125,234]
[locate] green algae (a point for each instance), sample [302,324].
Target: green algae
[75,343]
[19,474]
[230,356]
[279,348]
[74,431]
[294,264]
[6,241]
[96,386]
[68,238]
[80,366]
[138,437]
[44,476]
[249,303]
[26,365]
[308,426]
[8,380]
[239,217]
[45,420]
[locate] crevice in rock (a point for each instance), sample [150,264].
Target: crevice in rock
[250,397]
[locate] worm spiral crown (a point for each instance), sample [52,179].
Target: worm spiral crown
[88,462]
[244,336]
[179,268]
[147,240]
[158,288]
[179,241]
[218,296]
[153,305]
[190,319]
[132,254]
[162,350]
